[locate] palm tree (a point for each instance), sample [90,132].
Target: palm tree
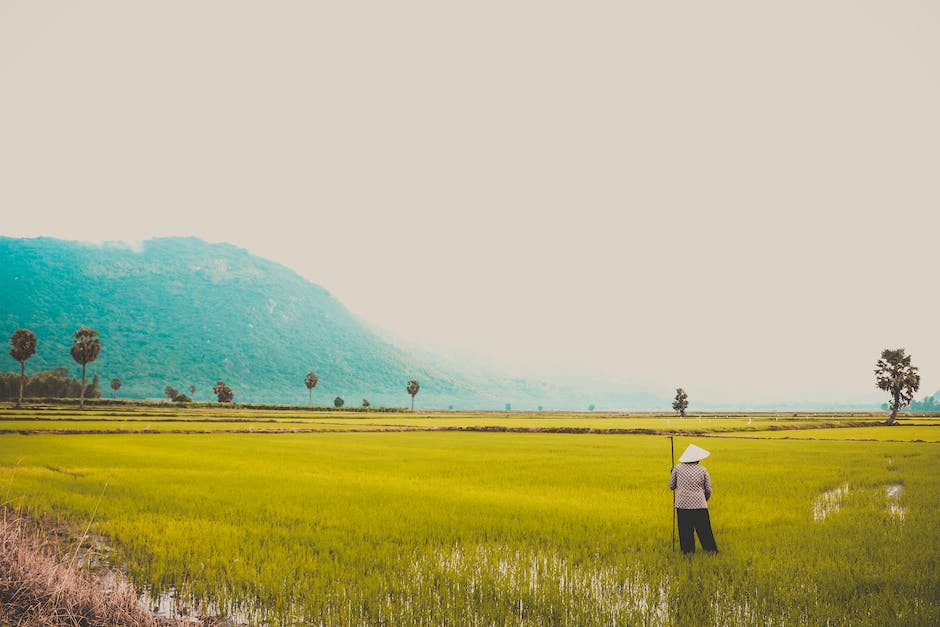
[22,347]
[85,349]
[413,387]
[895,374]
[311,382]
[115,386]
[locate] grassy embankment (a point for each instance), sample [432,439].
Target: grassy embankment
[429,527]
[44,580]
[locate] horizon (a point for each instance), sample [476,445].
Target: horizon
[584,385]
[667,198]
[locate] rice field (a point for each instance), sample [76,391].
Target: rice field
[913,432]
[165,417]
[436,519]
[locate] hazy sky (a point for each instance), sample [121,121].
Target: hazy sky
[739,198]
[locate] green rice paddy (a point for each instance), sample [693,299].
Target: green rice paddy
[295,517]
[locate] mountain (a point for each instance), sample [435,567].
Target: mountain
[181,312]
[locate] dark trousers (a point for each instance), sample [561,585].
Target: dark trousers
[695,521]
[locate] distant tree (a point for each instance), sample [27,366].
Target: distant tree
[895,375]
[311,382]
[115,386]
[681,403]
[192,390]
[365,402]
[929,405]
[93,391]
[9,385]
[22,347]
[540,408]
[170,392]
[413,387]
[508,406]
[181,398]
[86,346]
[56,382]
[591,407]
[223,392]
[338,401]
[45,383]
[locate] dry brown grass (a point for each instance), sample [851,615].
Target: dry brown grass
[38,587]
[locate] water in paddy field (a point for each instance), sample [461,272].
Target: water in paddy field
[829,502]
[171,604]
[893,492]
[607,589]
[511,576]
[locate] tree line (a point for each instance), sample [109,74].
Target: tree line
[55,383]
[930,404]
[86,347]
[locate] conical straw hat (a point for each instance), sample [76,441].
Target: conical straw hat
[693,454]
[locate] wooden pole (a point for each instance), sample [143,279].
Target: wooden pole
[672,451]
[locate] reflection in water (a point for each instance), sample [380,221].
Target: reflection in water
[829,502]
[893,491]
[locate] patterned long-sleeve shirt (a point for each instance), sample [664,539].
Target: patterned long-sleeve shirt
[692,485]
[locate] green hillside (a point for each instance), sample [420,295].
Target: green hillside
[182,312]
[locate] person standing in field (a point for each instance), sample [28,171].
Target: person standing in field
[693,487]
